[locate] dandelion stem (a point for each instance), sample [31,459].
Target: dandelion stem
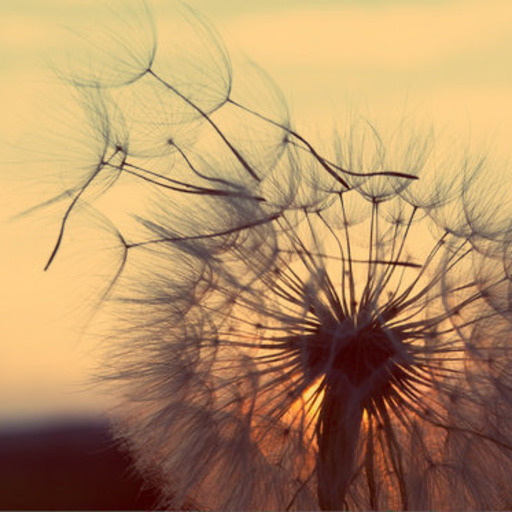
[338,433]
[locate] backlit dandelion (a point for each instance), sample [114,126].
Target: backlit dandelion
[300,331]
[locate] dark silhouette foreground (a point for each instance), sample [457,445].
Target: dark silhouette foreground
[68,466]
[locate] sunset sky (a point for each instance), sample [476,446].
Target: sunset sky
[448,61]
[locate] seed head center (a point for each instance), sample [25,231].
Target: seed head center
[363,357]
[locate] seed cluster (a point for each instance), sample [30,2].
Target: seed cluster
[295,329]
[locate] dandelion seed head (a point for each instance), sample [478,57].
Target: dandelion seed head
[110,58]
[392,339]
[298,329]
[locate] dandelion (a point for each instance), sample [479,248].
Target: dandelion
[299,331]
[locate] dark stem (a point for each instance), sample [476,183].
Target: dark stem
[338,434]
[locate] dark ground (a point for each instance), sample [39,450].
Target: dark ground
[68,466]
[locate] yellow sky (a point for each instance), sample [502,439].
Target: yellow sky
[448,60]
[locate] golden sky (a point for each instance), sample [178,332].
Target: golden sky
[447,60]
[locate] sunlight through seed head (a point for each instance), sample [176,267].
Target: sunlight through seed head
[295,329]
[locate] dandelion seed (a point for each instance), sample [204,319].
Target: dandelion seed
[303,331]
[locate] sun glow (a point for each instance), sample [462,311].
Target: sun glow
[306,408]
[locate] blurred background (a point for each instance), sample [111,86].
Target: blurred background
[448,61]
